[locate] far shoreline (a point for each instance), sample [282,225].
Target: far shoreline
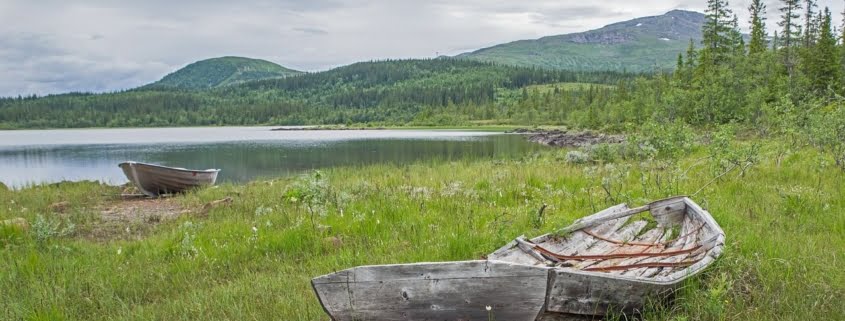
[491,128]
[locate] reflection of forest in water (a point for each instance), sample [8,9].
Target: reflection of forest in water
[243,161]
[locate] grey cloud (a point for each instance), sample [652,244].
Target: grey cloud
[53,46]
[21,46]
[36,63]
[311,31]
[578,12]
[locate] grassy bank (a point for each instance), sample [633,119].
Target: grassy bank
[253,258]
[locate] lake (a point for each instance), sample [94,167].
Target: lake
[243,153]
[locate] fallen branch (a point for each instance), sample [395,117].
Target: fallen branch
[714,179]
[211,205]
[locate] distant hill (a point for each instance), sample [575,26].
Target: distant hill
[639,45]
[388,92]
[223,71]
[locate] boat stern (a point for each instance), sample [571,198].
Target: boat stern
[467,290]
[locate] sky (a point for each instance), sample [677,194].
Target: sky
[58,46]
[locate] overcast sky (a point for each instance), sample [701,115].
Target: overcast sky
[56,46]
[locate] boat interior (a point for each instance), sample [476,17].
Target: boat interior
[656,241]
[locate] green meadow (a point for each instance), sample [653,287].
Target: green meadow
[782,209]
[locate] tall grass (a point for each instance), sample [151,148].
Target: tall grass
[784,219]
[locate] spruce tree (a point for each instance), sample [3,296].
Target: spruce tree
[758,27]
[680,64]
[823,64]
[842,59]
[680,71]
[842,30]
[790,34]
[716,32]
[691,55]
[737,44]
[809,23]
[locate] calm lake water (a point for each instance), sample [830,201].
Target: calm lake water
[244,153]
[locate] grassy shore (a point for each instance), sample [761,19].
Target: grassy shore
[253,258]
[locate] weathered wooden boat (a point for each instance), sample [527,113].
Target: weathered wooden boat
[154,180]
[610,262]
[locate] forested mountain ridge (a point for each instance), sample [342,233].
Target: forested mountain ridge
[222,71]
[796,79]
[642,44]
[396,92]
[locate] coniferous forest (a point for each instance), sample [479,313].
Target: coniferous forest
[798,72]
[437,92]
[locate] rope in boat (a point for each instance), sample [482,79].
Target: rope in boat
[613,256]
[664,243]
[641,265]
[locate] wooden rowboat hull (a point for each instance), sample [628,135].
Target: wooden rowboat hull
[434,291]
[604,277]
[604,263]
[154,180]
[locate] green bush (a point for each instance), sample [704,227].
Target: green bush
[577,157]
[603,153]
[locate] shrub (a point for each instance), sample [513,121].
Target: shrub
[669,140]
[310,190]
[577,157]
[726,153]
[45,229]
[827,132]
[604,153]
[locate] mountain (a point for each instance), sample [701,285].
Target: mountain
[431,91]
[639,45]
[223,71]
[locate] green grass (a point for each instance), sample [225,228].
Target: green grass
[785,226]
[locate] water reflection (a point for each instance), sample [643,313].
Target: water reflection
[245,160]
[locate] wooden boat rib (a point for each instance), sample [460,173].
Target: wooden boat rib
[154,180]
[612,261]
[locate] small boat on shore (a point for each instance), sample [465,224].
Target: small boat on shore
[610,262]
[154,180]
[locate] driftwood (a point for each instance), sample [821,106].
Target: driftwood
[213,204]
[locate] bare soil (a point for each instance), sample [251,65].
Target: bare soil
[132,219]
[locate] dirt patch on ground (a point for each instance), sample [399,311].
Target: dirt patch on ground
[143,210]
[564,138]
[132,218]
